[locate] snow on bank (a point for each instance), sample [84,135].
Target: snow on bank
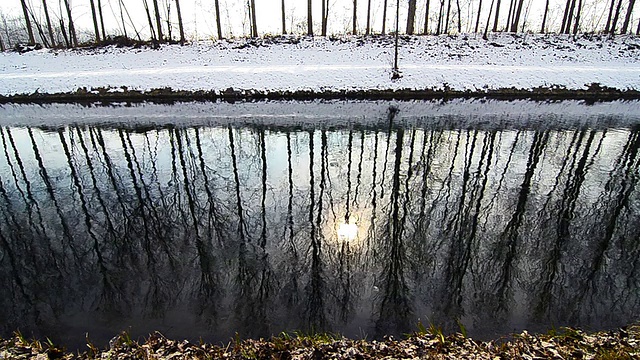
[465,62]
[484,114]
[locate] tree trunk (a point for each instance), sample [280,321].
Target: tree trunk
[395,61]
[325,16]
[459,17]
[510,15]
[446,23]
[72,28]
[411,16]
[254,17]
[158,21]
[495,21]
[96,29]
[486,28]
[614,23]
[218,23]
[25,11]
[565,17]
[544,18]
[578,13]
[567,26]
[124,25]
[478,19]
[39,28]
[49,27]
[169,33]
[368,31]
[180,25]
[610,17]
[627,18]
[310,17]
[104,33]
[384,17]
[354,31]
[426,19]
[638,30]
[284,24]
[64,34]
[516,18]
[1,44]
[440,17]
[152,31]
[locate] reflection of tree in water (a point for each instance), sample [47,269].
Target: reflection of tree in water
[394,298]
[236,227]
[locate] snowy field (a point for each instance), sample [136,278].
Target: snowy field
[465,62]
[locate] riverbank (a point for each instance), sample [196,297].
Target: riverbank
[594,92]
[504,66]
[623,343]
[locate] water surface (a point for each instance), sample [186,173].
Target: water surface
[299,219]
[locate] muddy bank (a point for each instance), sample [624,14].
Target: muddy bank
[595,92]
[623,343]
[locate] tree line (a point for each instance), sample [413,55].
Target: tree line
[37,25]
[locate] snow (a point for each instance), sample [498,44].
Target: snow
[478,113]
[464,62]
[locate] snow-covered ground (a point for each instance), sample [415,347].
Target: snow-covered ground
[465,62]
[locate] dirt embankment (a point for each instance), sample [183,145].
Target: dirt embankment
[429,343]
[595,92]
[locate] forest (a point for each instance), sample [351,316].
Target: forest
[54,25]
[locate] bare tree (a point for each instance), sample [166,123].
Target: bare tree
[64,33]
[368,30]
[495,21]
[219,26]
[486,28]
[578,13]
[565,16]
[49,27]
[614,23]
[158,21]
[124,26]
[627,18]
[396,72]
[72,29]
[39,28]
[411,17]
[510,15]
[446,23]
[440,17]
[354,31]
[610,17]
[516,17]
[309,18]
[566,26]
[254,23]
[27,21]
[384,17]
[1,44]
[284,25]
[95,20]
[104,33]
[325,15]
[180,26]
[151,29]
[544,18]
[459,16]
[478,19]
[426,19]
